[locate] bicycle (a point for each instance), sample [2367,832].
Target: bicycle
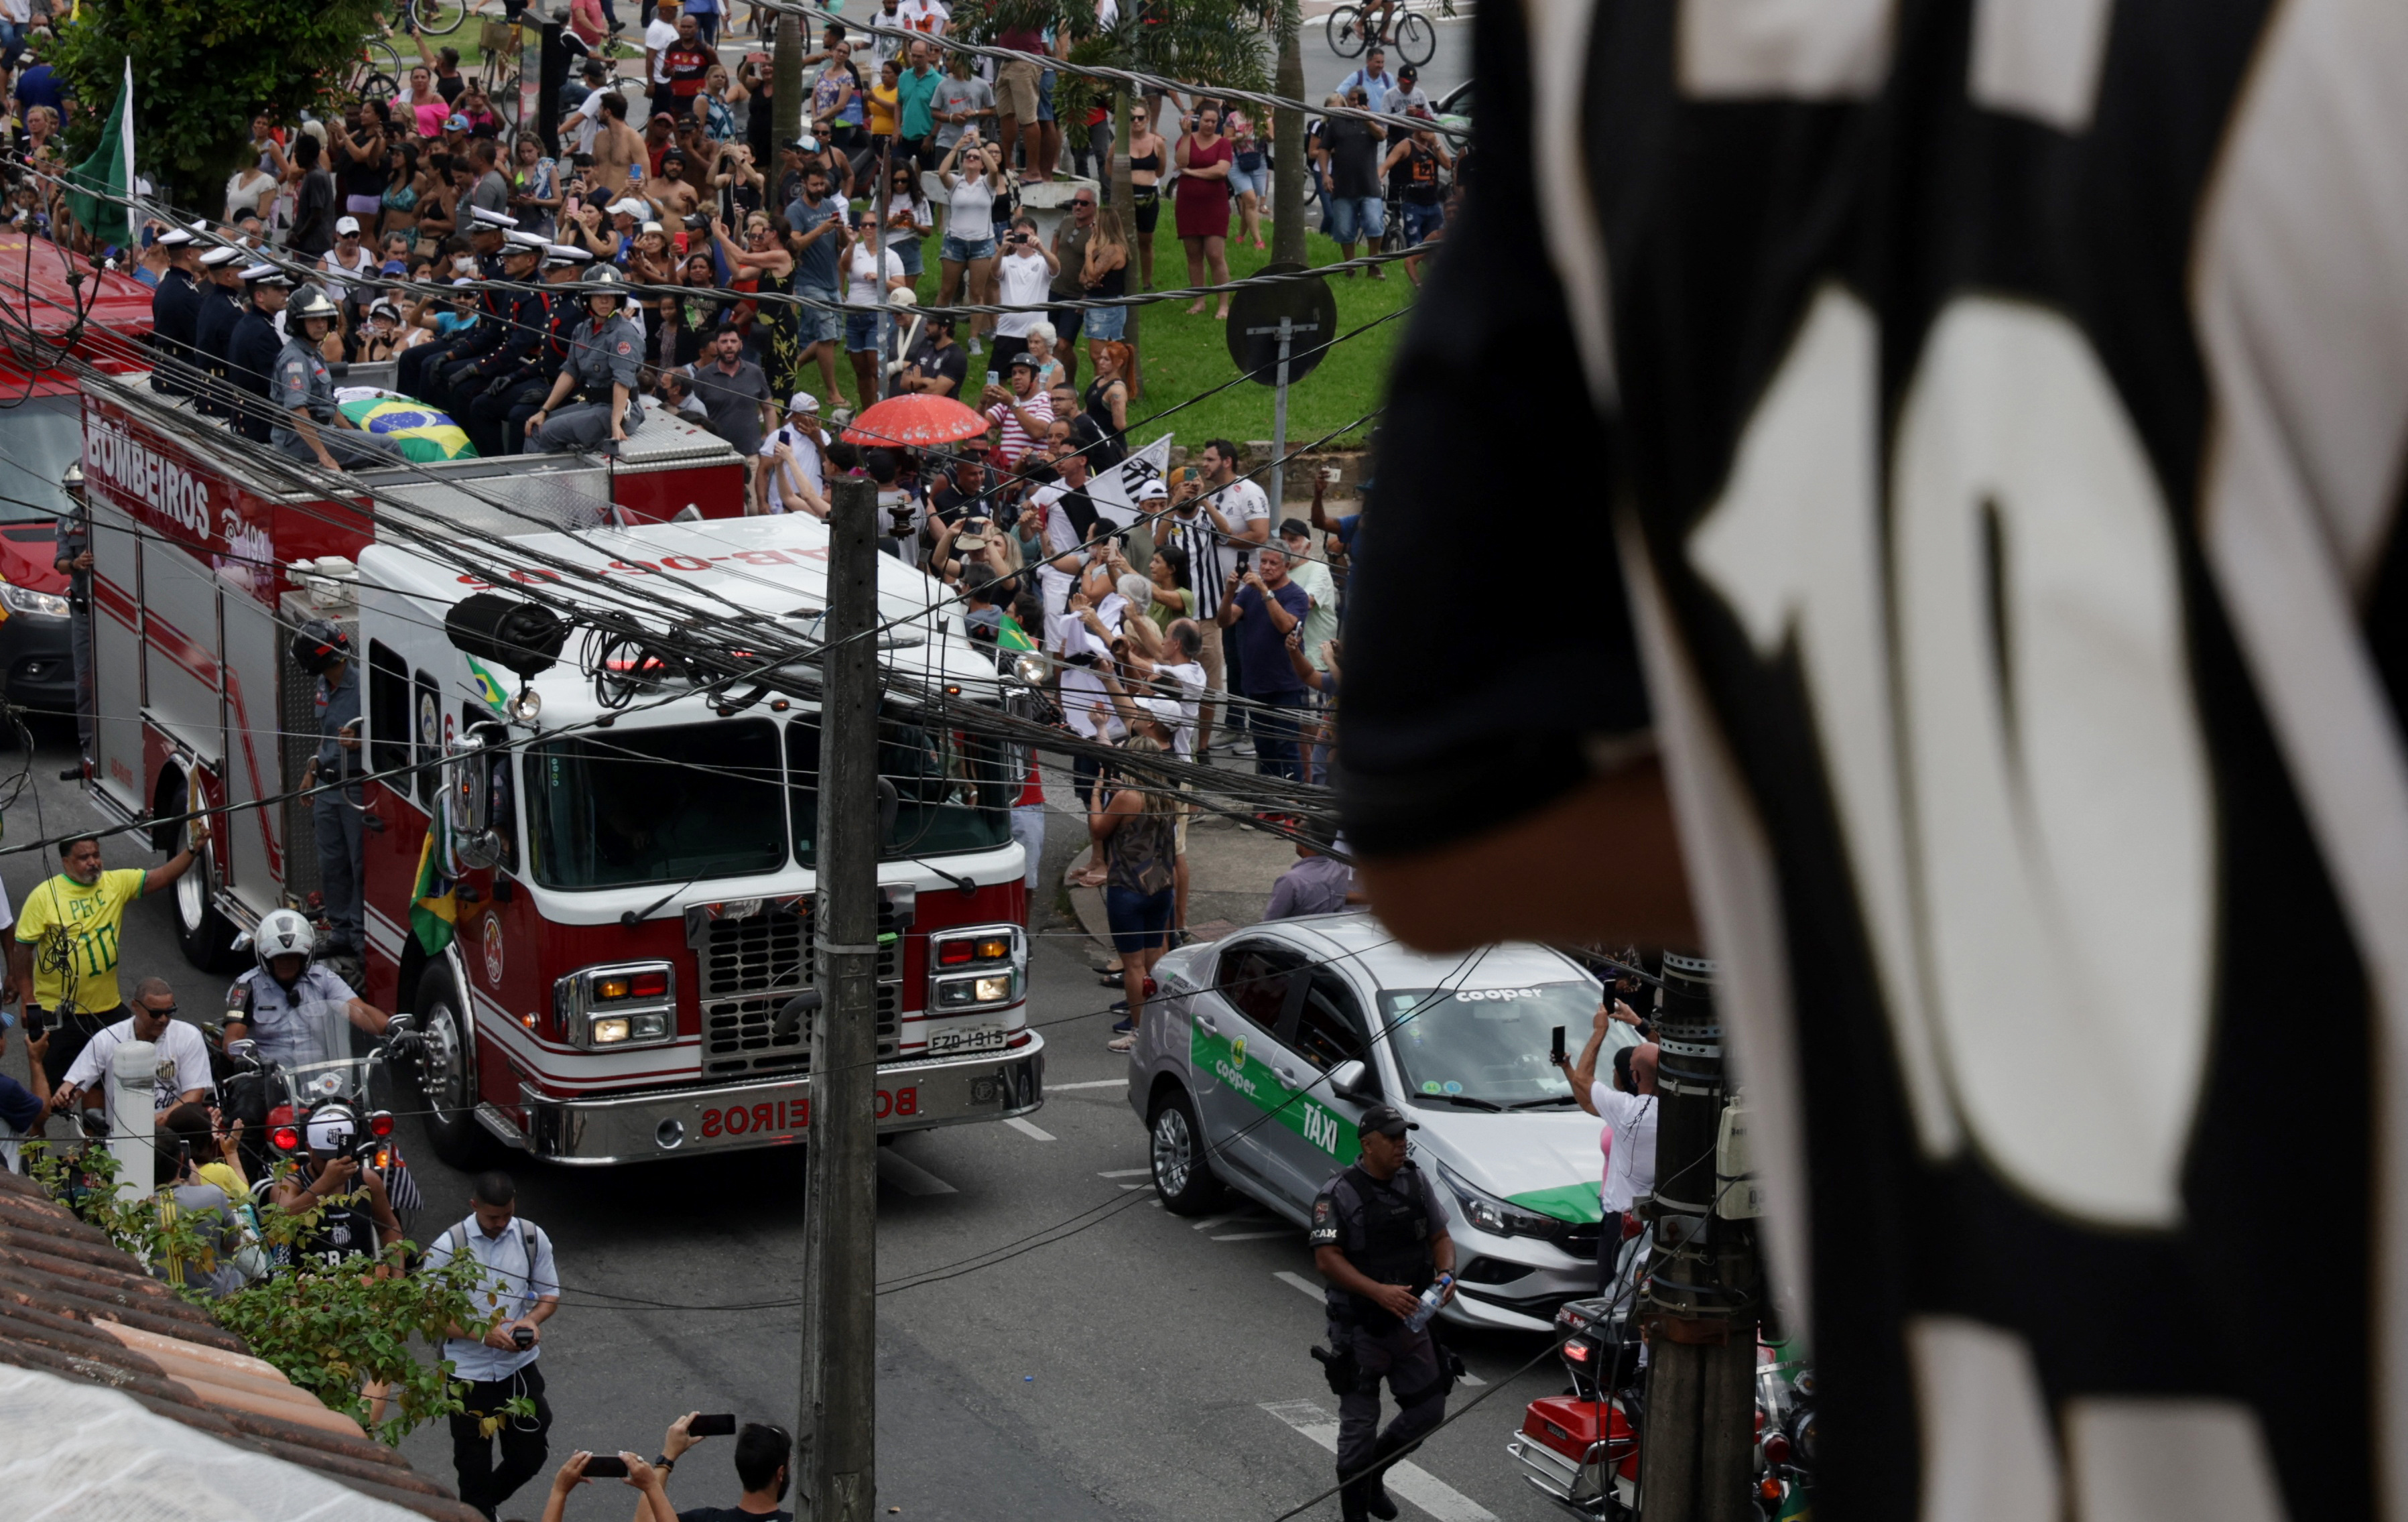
[378,73]
[1413,38]
[430,17]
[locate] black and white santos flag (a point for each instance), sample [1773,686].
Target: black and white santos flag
[2000,406]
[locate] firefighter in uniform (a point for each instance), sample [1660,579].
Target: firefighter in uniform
[213,329]
[324,651]
[1379,1237]
[250,356]
[519,320]
[496,420]
[604,361]
[174,305]
[72,560]
[421,370]
[308,424]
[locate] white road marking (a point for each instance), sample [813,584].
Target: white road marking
[1407,1480]
[1301,1282]
[1211,1221]
[1100,1083]
[1125,1173]
[909,1176]
[1030,1130]
[1470,1378]
[1132,1186]
[1252,1236]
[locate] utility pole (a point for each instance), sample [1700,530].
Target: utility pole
[838,1465]
[1706,1280]
[786,87]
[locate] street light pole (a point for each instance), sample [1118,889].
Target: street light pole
[838,1428]
[1705,1279]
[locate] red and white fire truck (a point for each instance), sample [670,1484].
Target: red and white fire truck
[633,904]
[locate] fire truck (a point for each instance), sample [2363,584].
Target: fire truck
[632,855]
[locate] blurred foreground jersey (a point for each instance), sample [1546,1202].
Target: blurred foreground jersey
[1999,409]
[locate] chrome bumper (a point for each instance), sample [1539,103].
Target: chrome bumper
[1579,1488]
[731,1117]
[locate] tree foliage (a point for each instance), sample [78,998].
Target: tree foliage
[332,1332]
[1216,41]
[202,68]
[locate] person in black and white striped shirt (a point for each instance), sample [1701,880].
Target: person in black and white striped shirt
[1189,525]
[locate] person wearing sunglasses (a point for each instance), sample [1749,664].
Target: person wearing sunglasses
[183,1057]
[1147,152]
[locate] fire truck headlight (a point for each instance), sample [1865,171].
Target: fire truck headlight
[979,990]
[24,599]
[612,1029]
[648,1027]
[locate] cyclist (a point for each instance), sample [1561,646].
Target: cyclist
[63,959]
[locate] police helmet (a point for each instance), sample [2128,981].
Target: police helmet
[282,932]
[310,303]
[71,482]
[318,645]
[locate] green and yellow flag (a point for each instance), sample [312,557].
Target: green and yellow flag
[434,915]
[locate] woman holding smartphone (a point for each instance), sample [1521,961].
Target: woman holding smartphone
[969,219]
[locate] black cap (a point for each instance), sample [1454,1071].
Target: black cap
[1387,1120]
[1295,528]
[1408,72]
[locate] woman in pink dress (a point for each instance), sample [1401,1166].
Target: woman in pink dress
[1203,192]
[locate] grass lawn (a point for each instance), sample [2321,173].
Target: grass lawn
[1182,355]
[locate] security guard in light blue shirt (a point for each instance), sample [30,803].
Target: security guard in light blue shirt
[301,392]
[323,650]
[605,360]
[519,1290]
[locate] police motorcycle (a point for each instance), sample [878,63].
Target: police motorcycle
[1582,1448]
[307,1074]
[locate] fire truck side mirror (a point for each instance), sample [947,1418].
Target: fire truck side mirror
[477,837]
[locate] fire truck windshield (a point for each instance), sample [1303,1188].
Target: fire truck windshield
[953,791]
[41,437]
[641,806]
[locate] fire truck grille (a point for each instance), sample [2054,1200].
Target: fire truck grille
[752,966]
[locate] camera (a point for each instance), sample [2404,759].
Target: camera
[524,1337]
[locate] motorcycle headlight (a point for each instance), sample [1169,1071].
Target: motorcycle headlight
[1494,1216]
[24,599]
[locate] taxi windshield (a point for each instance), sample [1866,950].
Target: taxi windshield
[1486,1048]
[658,805]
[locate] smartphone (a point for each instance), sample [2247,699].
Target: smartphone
[995,378]
[605,1467]
[1557,1052]
[722,1426]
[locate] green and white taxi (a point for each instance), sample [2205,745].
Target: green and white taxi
[1261,1049]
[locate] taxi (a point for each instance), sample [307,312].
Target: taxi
[1261,1049]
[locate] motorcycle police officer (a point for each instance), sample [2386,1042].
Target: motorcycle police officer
[174,305]
[308,424]
[285,1003]
[250,356]
[1379,1237]
[519,320]
[213,329]
[496,420]
[604,361]
[323,650]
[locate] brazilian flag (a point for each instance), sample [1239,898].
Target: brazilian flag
[1008,634]
[434,914]
[425,435]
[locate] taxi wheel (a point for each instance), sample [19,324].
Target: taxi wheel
[447,1074]
[1182,1175]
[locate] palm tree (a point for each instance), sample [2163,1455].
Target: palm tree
[1209,41]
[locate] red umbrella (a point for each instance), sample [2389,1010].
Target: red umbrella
[916,422]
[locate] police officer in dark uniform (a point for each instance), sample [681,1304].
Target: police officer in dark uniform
[519,319]
[72,559]
[1379,1237]
[496,418]
[174,305]
[605,360]
[308,424]
[419,372]
[213,329]
[251,356]
[323,650]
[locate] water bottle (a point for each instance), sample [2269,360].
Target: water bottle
[1429,1303]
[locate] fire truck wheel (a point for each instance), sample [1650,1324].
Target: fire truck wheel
[1182,1176]
[205,935]
[447,1074]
